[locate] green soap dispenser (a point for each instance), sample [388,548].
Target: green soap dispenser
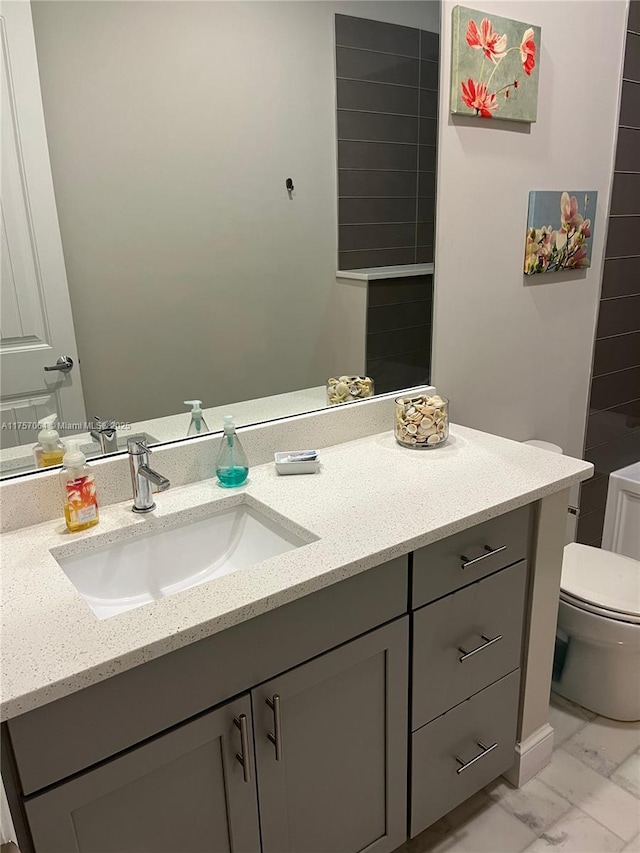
[232,465]
[198,425]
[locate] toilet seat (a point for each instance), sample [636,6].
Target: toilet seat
[588,607]
[601,582]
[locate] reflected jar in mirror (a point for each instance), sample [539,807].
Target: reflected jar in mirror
[346,389]
[422,422]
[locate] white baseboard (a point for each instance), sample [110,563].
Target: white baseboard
[532,755]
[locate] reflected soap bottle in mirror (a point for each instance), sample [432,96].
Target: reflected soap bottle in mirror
[49,450]
[198,425]
[232,465]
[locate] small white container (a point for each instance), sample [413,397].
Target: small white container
[285,466]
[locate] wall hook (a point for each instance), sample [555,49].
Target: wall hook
[289,186]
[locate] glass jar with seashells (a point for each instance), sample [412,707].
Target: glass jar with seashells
[422,422]
[346,389]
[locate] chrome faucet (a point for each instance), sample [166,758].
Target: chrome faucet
[142,476]
[105,434]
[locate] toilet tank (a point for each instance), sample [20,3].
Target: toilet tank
[622,514]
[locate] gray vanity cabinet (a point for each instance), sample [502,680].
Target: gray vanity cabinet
[184,791]
[139,763]
[331,749]
[329,774]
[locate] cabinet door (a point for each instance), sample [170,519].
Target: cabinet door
[184,791]
[331,749]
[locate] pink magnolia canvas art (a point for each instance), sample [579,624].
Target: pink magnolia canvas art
[495,66]
[559,230]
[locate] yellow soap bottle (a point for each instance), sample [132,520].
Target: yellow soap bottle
[78,490]
[49,450]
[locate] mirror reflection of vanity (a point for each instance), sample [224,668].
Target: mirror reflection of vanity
[225,201]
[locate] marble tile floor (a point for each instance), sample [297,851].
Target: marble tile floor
[587,800]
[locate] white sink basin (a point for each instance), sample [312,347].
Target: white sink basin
[136,570]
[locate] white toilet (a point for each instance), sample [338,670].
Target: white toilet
[598,646]
[597,662]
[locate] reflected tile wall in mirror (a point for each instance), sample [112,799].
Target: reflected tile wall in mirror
[387,99]
[399,332]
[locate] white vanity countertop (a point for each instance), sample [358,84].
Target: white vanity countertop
[372,501]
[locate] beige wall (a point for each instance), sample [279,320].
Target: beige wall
[514,355]
[172,127]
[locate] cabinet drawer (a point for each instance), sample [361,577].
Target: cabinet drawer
[466,641]
[469,555]
[439,779]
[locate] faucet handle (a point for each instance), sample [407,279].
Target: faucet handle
[103,425]
[138,446]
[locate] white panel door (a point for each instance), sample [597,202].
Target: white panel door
[36,326]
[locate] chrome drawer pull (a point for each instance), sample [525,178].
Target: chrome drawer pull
[488,641]
[485,751]
[466,562]
[276,735]
[243,757]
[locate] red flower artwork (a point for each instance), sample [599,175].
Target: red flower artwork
[485,80]
[476,96]
[528,52]
[485,39]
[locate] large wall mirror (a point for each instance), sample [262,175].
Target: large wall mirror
[230,202]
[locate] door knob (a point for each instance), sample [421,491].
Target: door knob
[64,363]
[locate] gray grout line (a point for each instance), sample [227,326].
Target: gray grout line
[610,408]
[368,224]
[368,169]
[396,142]
[620,296]
[388,53]
[620,369]
[385,83]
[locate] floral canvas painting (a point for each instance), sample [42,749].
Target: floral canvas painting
[495,66]
[559,230]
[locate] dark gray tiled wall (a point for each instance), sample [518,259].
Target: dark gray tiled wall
[399,332]
[613,424]
[387,99]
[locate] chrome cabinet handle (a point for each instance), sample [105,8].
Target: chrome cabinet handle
[488,641]
[243,756]
[276,735]
[485,751]
[64,364]
[466,562]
